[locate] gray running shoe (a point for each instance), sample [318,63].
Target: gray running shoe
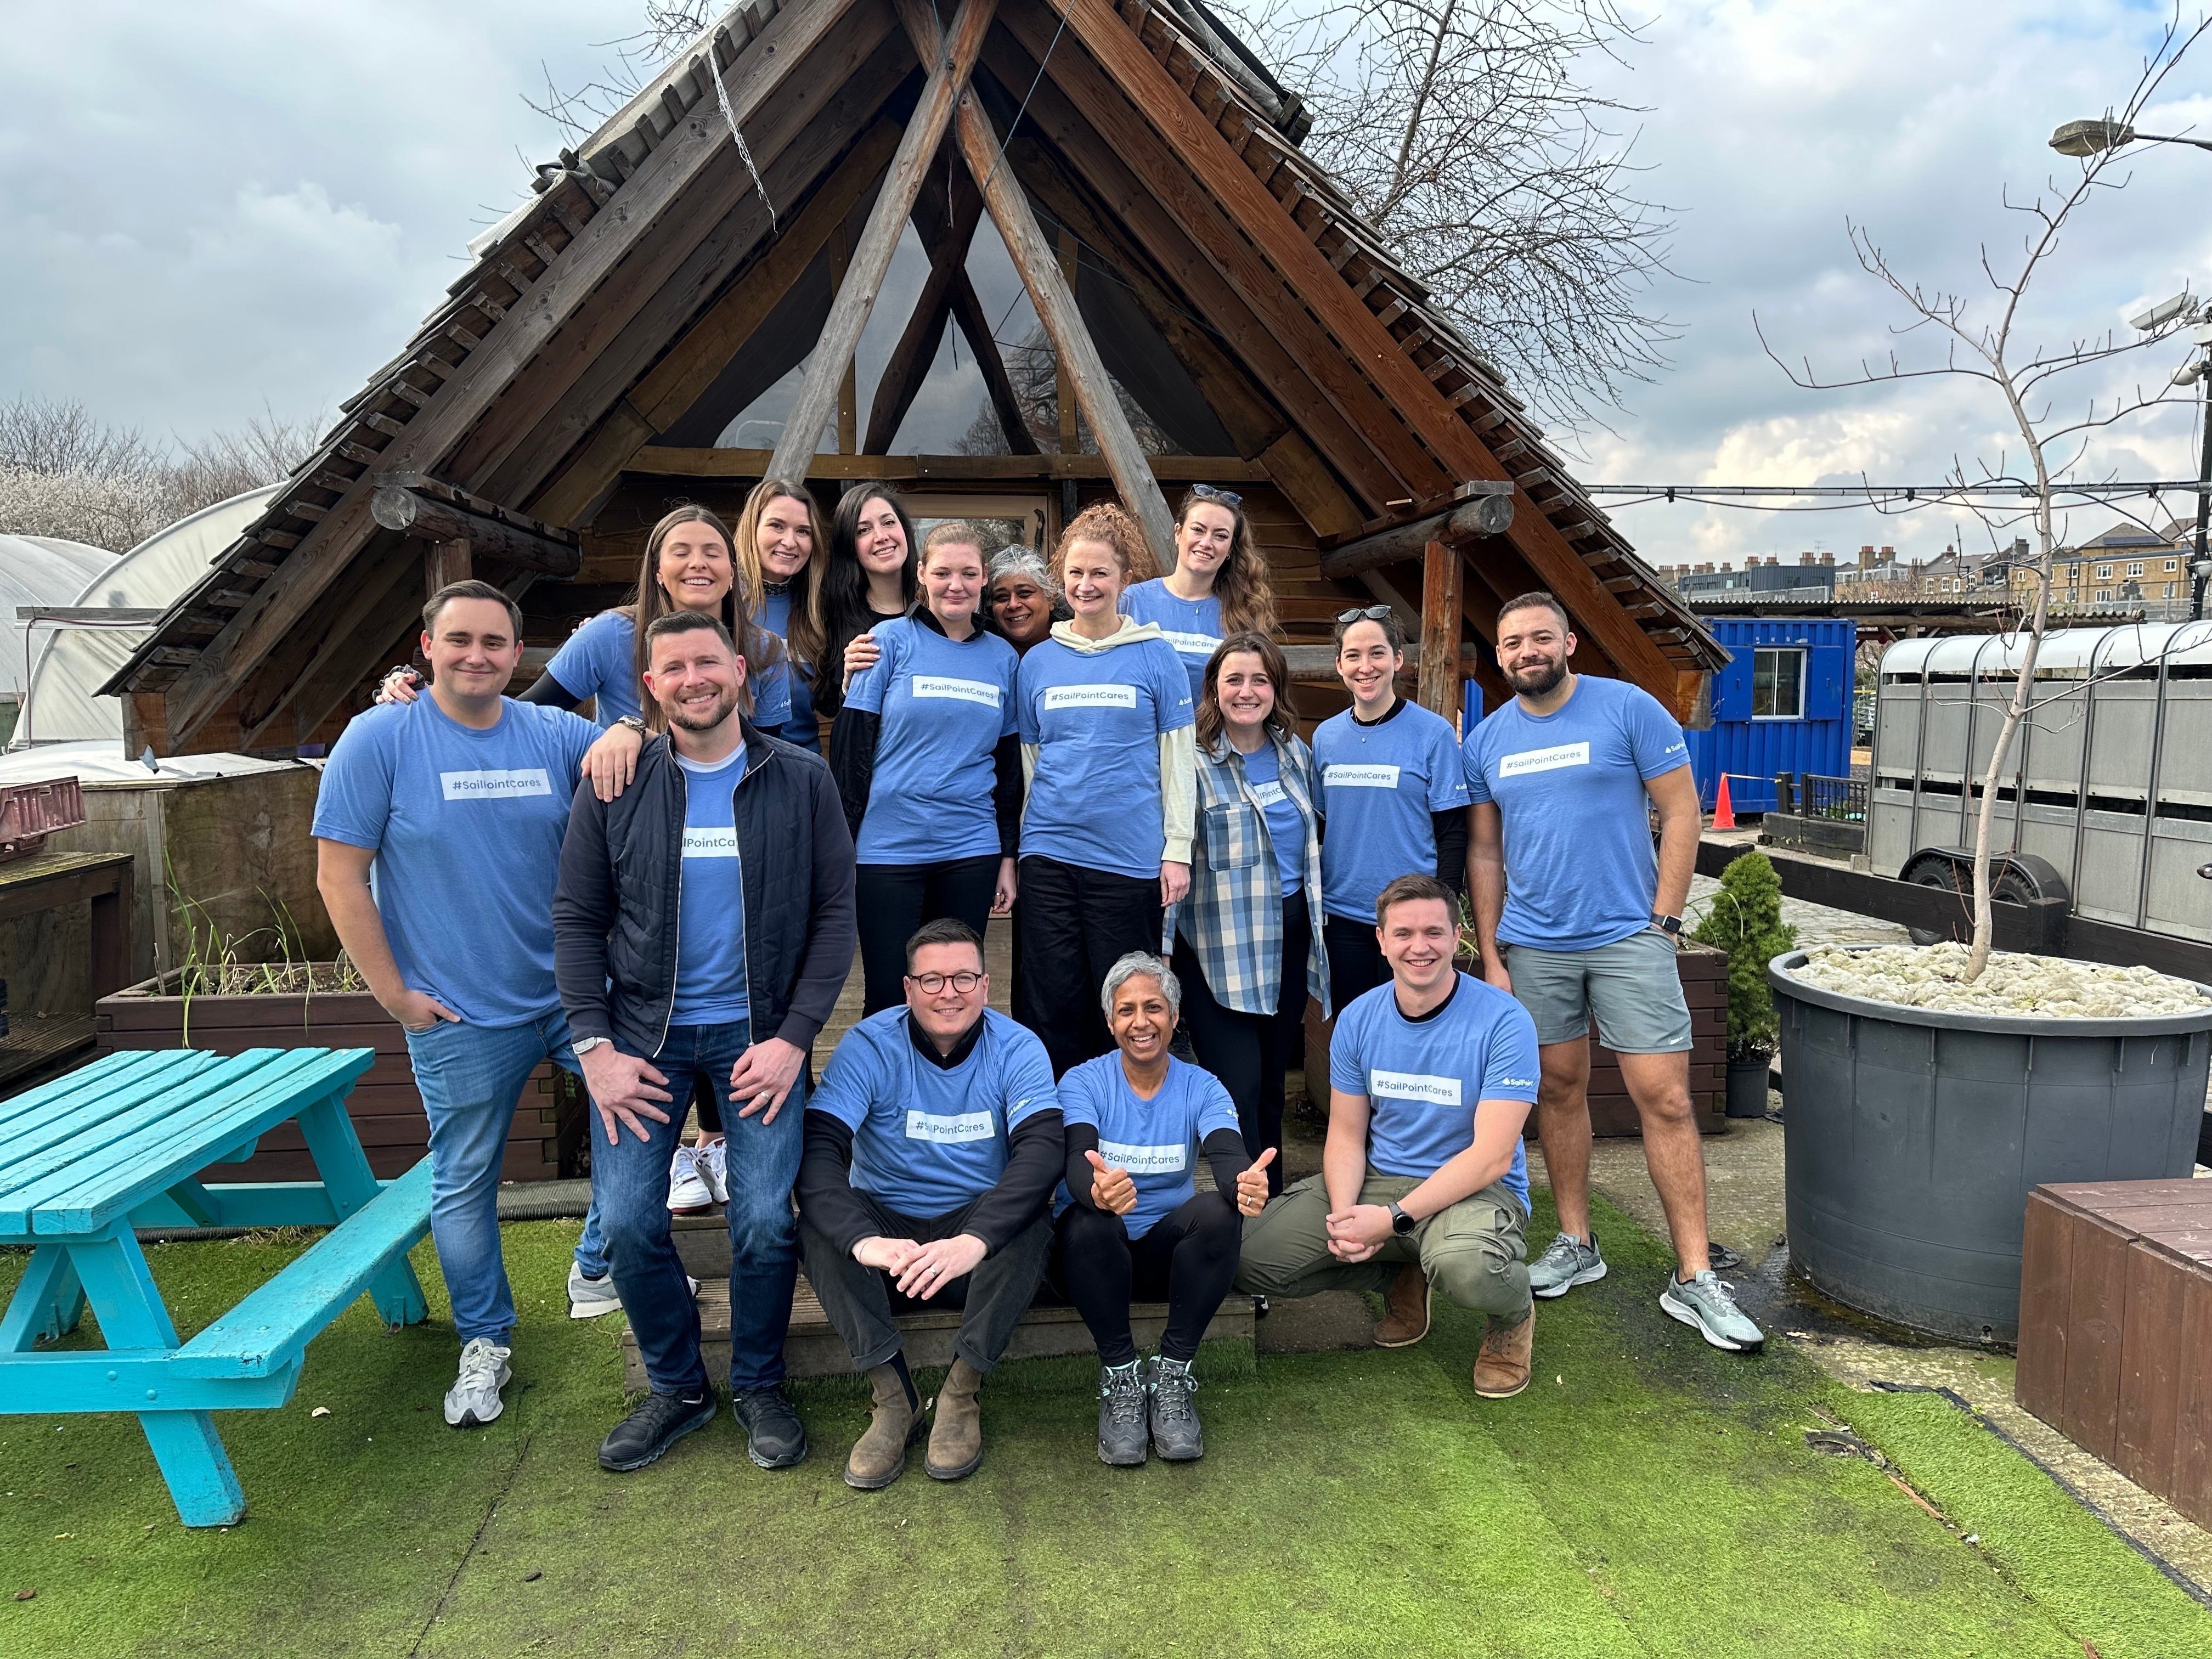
[473,1401]
[1709,1306]
[589,1298]
[1122,1414]
[1566,1262]
[1176,1434]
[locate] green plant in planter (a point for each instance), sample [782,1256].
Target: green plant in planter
[1744,919]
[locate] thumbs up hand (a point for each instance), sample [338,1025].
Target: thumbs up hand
[1111,1189]
[1252,1185]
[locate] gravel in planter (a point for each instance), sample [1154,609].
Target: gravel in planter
[2012,983]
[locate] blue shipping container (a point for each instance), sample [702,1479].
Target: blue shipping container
[1783,704]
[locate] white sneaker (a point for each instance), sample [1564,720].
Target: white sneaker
[589,1297]
[473,1401]
[713,1159]
[687,1191]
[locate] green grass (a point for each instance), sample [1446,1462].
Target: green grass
[1647,1496]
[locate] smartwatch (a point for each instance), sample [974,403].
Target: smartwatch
[1401,1223]
[583,1046]
[1671,926]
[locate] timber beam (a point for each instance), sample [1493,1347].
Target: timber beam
[1488,511]
[419,506]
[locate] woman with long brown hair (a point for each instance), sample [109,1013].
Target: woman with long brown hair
[1247,942]
[871,576]
[781,548]
[1218,586]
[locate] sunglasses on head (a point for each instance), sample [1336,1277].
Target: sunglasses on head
[1208,493]
[1364,613]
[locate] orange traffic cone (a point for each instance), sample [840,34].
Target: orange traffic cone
[1723,814]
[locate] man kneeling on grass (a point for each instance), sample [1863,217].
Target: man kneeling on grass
[932,1147]
[1416,1188]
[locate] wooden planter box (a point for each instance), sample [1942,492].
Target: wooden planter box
[2116,1329]
[386,1112]
[1705,987]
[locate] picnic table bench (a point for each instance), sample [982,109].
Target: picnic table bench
[122,1144]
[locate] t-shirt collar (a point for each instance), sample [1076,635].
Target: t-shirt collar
[1397,708]
[926,1046]
[1422,1020]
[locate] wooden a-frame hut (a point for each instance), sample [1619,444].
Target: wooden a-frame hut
[1143,174]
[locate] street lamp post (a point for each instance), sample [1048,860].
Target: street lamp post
[2086,138]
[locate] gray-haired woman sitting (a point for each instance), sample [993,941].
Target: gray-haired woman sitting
[1135,1226]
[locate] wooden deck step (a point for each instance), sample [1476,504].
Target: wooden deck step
[1336,1320]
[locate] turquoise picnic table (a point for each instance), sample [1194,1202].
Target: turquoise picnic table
[123,1144]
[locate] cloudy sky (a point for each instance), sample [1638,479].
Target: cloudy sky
[211,209]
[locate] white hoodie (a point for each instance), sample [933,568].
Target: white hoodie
[1178,749]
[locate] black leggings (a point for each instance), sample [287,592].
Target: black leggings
[1076,924]
[895,899]
[1251,1052]
[1355,960]
[1187,1258]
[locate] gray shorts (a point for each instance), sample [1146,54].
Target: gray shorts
[1632,986]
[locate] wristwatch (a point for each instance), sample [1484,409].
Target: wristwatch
[636,723]
[1671,925]
[1401,1223]
[583,1046]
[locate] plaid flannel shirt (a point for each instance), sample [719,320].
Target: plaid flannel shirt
[1234,915]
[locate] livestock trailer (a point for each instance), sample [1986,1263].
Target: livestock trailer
[1782,704]
[2106,798]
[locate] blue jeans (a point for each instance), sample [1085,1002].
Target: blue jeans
[629,1190]
[471,1078]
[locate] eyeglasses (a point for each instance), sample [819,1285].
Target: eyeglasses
[1364,613]
[931,984]
[1208,493]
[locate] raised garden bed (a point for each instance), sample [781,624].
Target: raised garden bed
[387,1111]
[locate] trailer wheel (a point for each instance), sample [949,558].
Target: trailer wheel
[1947,872]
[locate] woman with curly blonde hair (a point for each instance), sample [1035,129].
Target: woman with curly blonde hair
[1105,719]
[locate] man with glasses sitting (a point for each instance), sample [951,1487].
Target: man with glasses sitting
[932,1148]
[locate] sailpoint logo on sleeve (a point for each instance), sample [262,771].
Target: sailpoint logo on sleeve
[942,685]
[495,786]
[1091,697]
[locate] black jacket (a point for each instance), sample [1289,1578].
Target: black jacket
[616,907]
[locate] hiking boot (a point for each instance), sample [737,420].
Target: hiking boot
[653,1428]
[711,1160]
[473,1401]
[895,1422]
[1501,1370]
[956,1438]
[1709,1305]
[1404,1309]
[774,1437]
[1122,1414]
[589,1297]
[1566,1262]
[1176,1434]
[687,1191]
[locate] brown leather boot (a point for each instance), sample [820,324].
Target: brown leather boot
[1404,1309]
[895,1423]
[955,1439]
[1501,1370]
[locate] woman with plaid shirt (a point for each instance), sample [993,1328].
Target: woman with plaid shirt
[1249,920]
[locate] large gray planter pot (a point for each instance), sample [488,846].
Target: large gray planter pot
[1914,1136]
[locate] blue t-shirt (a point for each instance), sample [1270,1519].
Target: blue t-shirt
[1379,784]
[802,726]
[1286,826]
[597,661]
[1191,626]
[1097,717]
[1580,869]
[711,986]
[944,704]
[1155,1140]
[466,827]
[1422,1079]
[929,1139]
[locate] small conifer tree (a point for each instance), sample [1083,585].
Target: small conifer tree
[1745,920]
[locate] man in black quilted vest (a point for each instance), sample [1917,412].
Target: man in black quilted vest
[702,927]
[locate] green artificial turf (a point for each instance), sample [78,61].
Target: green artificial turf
[1646,1496]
